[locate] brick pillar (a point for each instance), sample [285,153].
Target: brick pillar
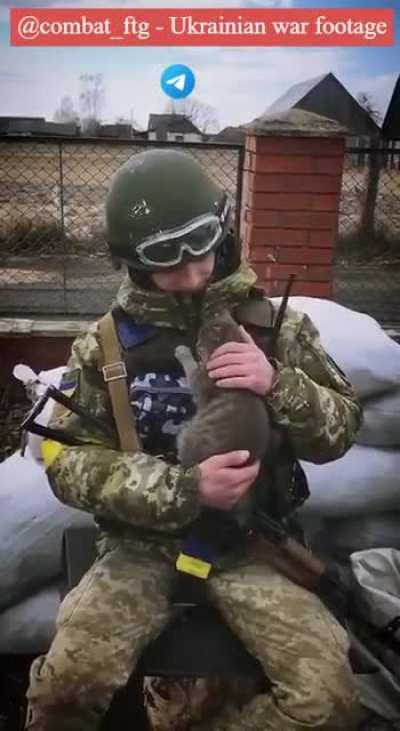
[291,191]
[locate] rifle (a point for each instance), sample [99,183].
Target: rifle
[29,423]
[334,583]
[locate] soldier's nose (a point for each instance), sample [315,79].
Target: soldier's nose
[192,276]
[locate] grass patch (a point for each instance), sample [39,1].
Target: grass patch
[25,237]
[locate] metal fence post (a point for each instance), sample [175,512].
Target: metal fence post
[62,221]
[239,189]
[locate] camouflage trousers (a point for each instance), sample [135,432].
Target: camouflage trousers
[105,622]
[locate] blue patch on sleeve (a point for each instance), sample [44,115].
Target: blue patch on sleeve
[69,380]
[132,333]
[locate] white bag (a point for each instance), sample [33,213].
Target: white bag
[356,342]
[378,574]
[381,423]
[31,529]
[35,386]
[366,480]
[30,626]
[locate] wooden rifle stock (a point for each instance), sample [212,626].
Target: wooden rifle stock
[274,544]
[292,559]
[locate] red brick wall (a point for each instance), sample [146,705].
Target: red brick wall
[290,210]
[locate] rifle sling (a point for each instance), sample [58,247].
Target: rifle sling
[115,375]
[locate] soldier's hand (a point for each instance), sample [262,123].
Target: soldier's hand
[242,365]
[225,478]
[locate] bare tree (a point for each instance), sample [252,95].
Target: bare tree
[376,160]
[203,116]
[367,102]
[121,119]
[66,111]
[91,100]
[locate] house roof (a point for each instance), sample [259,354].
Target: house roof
[234,135]
[391,123]
[19,119]
[163,123]
[294,95]
[326,95]
[35,126]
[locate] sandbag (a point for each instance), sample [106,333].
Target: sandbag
[338,538]
[366,480]
[29,627]
[381,423]
[357,343]
[31,529]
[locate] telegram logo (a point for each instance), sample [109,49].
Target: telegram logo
[177,81]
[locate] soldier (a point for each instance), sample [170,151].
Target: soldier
[169,223]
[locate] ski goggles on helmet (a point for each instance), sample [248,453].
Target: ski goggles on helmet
[197,238]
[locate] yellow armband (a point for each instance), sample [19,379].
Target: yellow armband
[195,566]
[50,450]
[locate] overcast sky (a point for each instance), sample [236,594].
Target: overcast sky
[239,82]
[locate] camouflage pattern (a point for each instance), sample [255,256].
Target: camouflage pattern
[184,703]
[120,604]
[312,399]
[142,502]
[102,626]
[302,649]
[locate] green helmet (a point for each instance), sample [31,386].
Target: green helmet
[162,209]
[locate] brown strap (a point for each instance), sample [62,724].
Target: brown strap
[115,375]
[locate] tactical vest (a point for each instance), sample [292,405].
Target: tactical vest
[161,400]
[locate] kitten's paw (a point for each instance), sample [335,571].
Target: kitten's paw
[182,353]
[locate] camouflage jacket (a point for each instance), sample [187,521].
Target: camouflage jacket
[312,399]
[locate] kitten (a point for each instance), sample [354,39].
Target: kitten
[226,419]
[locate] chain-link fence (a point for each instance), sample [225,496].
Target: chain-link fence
[369,220]
[53,255]
[367,269]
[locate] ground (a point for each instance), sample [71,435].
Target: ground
[73,285]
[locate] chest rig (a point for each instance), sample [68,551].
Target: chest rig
[151,400]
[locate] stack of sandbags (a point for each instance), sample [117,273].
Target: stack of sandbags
[355,501]
[357,343]
[381,425]
[32,525]
[29,627]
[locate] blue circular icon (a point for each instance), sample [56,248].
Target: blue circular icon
[177,81]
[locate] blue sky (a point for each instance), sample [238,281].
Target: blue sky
[239,83]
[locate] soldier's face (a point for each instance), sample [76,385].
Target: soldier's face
[191,277]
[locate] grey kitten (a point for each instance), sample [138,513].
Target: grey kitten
[225,419]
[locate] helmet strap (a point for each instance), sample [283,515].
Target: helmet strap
[227,257]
